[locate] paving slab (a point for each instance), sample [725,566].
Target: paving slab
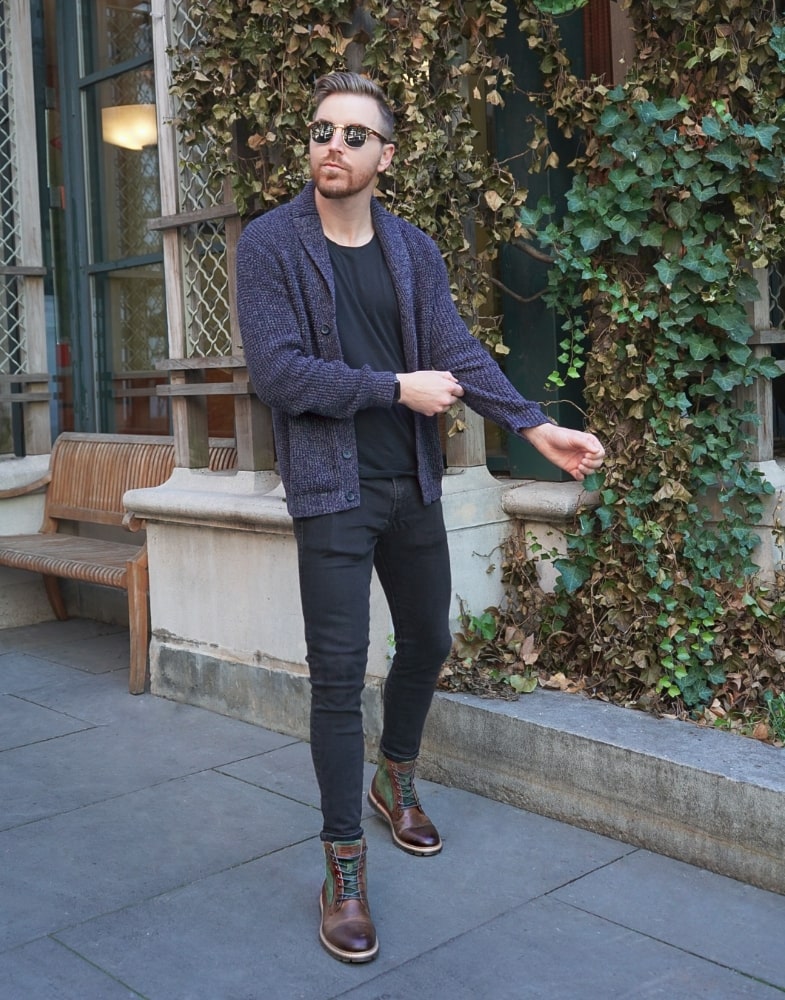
[289,771]
[94,654]
[258,923]
[56,635]
[547,951]
[23,723]
[724,920]
[96,763]
[95,698]
[20,671]
[46,970]
[108,855]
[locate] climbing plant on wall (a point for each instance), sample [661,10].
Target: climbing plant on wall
[247,87]
[676,193]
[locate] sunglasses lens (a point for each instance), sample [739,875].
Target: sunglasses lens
[322,131]
[355,136]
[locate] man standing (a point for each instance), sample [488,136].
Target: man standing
[352,338]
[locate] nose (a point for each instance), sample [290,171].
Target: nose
[336,139]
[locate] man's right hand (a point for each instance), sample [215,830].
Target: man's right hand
[429,392]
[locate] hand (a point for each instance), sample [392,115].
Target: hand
[576,452]
[429,392]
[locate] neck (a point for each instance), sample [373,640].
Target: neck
[346,221]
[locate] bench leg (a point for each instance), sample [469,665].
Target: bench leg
[55,595]
[138,623]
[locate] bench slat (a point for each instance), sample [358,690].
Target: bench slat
[89,559]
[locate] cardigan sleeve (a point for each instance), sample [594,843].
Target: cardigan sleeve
[487,390]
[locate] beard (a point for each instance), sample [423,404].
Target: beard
[336,183]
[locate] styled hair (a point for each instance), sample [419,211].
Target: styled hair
[354,83]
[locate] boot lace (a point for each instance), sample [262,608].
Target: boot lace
[405,783]
[349,878]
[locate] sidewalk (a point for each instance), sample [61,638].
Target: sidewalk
[153,849]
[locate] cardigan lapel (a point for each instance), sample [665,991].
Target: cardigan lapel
[308,227]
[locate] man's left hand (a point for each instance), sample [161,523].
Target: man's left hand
[577,452]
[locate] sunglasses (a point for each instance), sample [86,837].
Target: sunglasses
[354,136]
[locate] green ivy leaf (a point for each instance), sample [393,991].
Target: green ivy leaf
[668,271]
[727,153]
[610,119]
[738,353]
[700,347]
[591,234]
[680,213]
[712,128]
[571,576]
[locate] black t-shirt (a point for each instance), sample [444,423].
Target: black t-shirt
[369,328]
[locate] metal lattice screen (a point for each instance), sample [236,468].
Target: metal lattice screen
[12,321]
[777,296]
[776,315]
[123,37]
[205,262]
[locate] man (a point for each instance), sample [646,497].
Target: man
[352,338]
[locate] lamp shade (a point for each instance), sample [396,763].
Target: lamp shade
[132,126]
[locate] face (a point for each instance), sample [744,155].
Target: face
[339,171]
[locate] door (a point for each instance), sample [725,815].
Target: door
[109,263]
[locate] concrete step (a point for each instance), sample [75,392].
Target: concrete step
[707,797]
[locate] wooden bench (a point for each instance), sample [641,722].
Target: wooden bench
[88,477]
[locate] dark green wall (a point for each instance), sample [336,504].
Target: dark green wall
[532,331]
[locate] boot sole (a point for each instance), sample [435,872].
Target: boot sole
[417,852]
[355,957]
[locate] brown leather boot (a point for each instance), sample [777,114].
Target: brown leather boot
[394,798]
[347,930]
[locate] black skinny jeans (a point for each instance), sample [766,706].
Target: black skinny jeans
[406,541]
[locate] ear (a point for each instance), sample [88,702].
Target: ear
[388,151]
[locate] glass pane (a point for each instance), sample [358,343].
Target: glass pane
[124,191]
[130,304]
[115,32]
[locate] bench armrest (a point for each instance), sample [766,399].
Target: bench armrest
[133,523]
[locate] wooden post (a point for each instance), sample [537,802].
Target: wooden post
[466,448]
[188,390]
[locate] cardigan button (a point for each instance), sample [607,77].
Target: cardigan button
[326,330]
[350,496]
[346,453]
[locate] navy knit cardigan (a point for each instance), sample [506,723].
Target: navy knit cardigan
[286,303]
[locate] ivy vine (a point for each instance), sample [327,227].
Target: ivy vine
[677,191]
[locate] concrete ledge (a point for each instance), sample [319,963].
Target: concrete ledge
[268,693]
[709,798]
[20,472]
[555,503]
